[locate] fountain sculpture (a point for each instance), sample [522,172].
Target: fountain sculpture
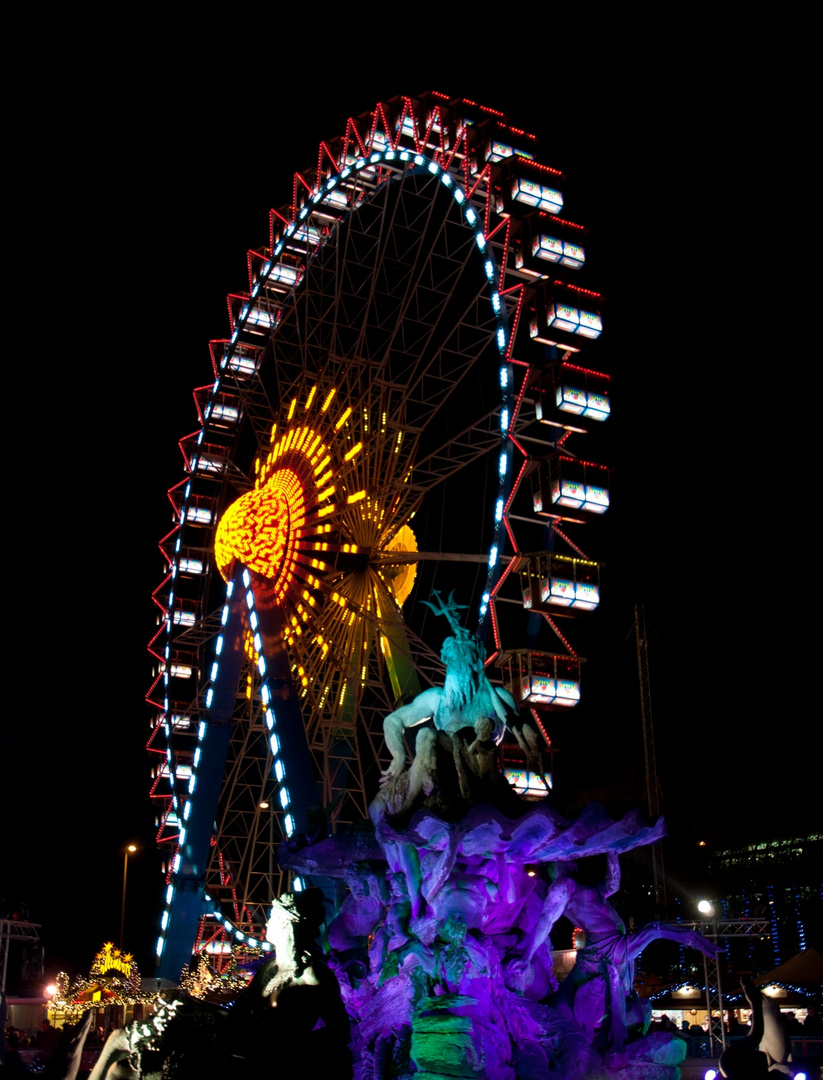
[442,946]
[438,959]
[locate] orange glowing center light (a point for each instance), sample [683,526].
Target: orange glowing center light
[267,529]
[262,529]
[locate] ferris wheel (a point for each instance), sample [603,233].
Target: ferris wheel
[364,440]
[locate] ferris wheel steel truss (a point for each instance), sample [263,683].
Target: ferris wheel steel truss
[398,264]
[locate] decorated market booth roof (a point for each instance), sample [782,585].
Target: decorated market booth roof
[804,969]
[690,994]
[112,963]
[95,994]
[113,979]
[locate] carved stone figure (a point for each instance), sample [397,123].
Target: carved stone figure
[360,914]
[481,754]
[599,989]
[460,965]
[294,965]
[467,701]
[766,1050]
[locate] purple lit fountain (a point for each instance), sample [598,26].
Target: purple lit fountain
[442,946]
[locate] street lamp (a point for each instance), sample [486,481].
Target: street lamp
[266,805]
[129,851]
[50,992]
[715,925]
[711,974]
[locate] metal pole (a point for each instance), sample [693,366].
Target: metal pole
[717,928]
[708,1002]
[271,850]
[130,850]
[714,996]
[5,945]
[123,903]
[652,787]
[716,965]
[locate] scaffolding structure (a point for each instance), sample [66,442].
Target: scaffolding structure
[650,761]
[716,929]
[12,932]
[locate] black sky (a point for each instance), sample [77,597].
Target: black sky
[139,194]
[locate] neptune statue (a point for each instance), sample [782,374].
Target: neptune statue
[465,719]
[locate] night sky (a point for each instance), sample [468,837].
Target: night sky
[147,191]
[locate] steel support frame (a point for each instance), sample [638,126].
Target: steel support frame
[13,931]
[714,929]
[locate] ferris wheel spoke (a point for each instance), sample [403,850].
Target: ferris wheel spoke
[464,448]
[403,324]
[406,558]
[256,404]
[386,297]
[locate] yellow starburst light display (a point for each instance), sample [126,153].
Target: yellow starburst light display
[403,581]
[325,528]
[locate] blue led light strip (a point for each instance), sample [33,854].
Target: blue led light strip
[278,766]
[232,931]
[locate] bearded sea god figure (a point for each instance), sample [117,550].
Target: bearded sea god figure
[464,715]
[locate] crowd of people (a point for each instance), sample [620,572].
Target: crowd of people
[47,1037]
[811,1025]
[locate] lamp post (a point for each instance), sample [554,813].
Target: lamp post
[129,850]
[265,804]
[717,926]
[50,992]
[711,974]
